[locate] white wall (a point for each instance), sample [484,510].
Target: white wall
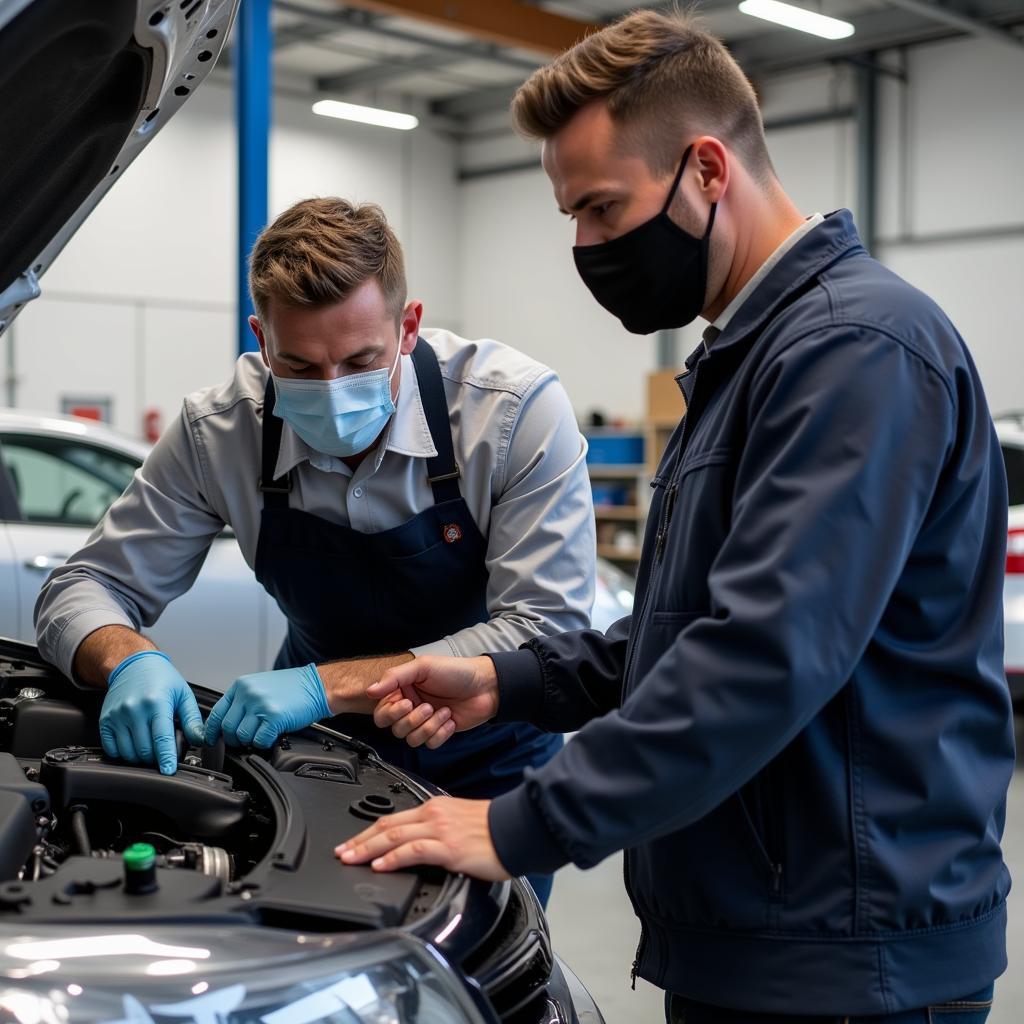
[140,305]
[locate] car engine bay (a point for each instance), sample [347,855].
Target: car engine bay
[240,837]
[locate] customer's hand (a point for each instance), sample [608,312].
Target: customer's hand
[145,693]
[258,708]
[429,699]
[450,833]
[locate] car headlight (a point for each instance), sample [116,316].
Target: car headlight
[229,976]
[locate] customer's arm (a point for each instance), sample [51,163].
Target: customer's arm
[849,433]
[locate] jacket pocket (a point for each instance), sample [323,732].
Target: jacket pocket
[763,811]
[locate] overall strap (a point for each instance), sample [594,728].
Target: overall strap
[275,492]
[442,471]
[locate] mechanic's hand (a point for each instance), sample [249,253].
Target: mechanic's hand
[259,708]
[144,694]
[450,833]
[426,700]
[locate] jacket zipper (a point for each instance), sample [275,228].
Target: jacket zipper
[636,961]
[666,518]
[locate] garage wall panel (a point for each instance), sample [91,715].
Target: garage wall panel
[521,287]
[178,352]
[81,349]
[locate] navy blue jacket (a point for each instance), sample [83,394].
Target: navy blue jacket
[803,736]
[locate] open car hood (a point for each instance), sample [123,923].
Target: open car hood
[84,86]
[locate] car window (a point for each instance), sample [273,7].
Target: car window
[63,482]
[1014,459]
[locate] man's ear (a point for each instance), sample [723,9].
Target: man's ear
[257,328]
[412,316]
[711,161]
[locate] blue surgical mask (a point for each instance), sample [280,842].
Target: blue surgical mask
[340,417]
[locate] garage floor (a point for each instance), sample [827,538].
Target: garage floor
[595,932]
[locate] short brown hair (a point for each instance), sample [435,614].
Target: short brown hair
[320,250]
[662,77]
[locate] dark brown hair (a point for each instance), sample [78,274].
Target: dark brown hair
[320,250]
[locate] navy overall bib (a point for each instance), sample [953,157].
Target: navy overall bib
[348,594]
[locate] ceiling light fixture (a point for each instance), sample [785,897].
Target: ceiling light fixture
[365,115]
[798,17]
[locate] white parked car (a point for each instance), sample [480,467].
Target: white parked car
[58,477]
[1010,429]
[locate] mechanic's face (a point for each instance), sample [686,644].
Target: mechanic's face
[353,336]
[606,189]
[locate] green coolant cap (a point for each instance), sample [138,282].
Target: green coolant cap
[139,857]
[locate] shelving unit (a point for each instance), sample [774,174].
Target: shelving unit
[621,489]
[619,493]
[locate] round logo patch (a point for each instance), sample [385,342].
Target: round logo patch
[452,532]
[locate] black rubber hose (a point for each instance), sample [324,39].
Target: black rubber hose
[80,831]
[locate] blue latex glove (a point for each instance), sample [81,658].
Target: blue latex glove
[259,708]
[144,695]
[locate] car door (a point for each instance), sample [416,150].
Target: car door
[63,486]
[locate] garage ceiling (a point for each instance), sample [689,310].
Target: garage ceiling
[460,59]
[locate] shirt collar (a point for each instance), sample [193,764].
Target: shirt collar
[723,318]
[406,433]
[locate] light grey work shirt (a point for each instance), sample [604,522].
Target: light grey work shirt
[524,479]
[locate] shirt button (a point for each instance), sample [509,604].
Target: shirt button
[358,492]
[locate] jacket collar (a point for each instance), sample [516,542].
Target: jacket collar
[834,238]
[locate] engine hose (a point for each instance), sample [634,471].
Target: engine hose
[80,831]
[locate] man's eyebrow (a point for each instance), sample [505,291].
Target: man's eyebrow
[584,201]
[366,351]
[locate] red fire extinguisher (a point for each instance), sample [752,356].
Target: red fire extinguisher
[152,427]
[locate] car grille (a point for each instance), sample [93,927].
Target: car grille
[514,964]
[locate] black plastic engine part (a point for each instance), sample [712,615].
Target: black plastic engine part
[31,726]
[87,888]
[18,834]
[372,806]
[197,801]
[13,780]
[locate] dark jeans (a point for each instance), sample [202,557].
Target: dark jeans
[972,1009]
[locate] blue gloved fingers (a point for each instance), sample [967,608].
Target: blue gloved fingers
[190,717]
[142,740]
[216,717]
[108,740]
[232,720]
[166,752]
[125,747]
[266,734]
[248,727]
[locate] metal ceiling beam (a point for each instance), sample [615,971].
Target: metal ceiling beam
[476,104]
[384,74]
[506,22]
[343,18]
[936,10]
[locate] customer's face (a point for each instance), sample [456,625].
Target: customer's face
[605,186]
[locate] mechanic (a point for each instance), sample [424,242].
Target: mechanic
[803,737]
[396,493]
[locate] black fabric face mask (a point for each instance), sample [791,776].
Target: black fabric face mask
[652,278]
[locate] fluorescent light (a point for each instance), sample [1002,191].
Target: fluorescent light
[365,115]
[798,18]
